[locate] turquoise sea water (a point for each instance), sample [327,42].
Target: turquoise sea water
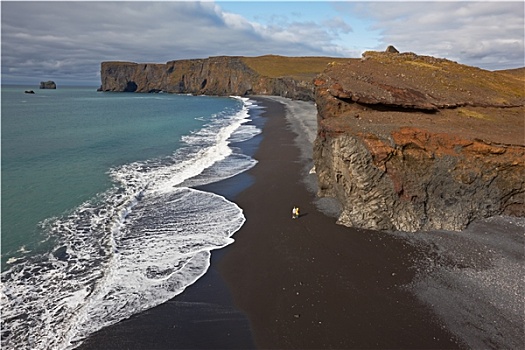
[100,217]
[58,145]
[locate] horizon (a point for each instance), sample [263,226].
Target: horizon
[98,84]
[35,46]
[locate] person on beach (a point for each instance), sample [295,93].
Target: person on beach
[295,212]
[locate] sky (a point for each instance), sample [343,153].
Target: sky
[65,41]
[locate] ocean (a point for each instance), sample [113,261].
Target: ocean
[102,215]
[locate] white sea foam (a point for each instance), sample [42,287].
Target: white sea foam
[138,245]
[244,133]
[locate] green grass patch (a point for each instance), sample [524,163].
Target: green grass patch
[473,114]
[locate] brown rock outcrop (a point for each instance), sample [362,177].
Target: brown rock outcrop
[409,142]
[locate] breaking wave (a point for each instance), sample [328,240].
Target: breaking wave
[133,247]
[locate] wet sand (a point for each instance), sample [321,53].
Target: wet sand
[305,283]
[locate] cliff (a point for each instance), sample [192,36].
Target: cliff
[266,75]
[408,142]
[405,142]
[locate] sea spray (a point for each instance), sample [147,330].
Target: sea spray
[133,247]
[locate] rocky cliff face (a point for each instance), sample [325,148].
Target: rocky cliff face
[212,76]
[408,142]
[405,142]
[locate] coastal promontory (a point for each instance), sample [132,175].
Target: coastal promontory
[290,77]
[408,142]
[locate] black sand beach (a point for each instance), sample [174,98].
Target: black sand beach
[304,284]
[309,283]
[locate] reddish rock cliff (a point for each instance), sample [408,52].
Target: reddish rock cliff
[409,142]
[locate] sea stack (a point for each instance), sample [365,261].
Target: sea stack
[48,85]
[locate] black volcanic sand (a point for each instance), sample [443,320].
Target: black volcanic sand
[473,280]
[309,283]
[305,284]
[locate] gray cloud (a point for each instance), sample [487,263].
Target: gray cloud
[485,34]
[66,41]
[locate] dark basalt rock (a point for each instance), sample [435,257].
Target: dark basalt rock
[48,85]
[391,49]
[221,76]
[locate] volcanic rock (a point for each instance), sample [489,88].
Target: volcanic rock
[391,49]
[48,85]
[290,77]
[408,142]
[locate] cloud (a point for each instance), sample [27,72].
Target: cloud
[337,25]
[66,41]
[483,34]
[44,40]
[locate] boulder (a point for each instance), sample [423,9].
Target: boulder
[391,49]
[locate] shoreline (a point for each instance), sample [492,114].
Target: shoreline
[284,283]
[306,283]
[310,283]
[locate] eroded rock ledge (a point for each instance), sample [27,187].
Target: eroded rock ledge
[408,142]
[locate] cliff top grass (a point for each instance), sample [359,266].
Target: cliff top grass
[118,63]
[518,73]
[410,80]
[274,66]
[440,75]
